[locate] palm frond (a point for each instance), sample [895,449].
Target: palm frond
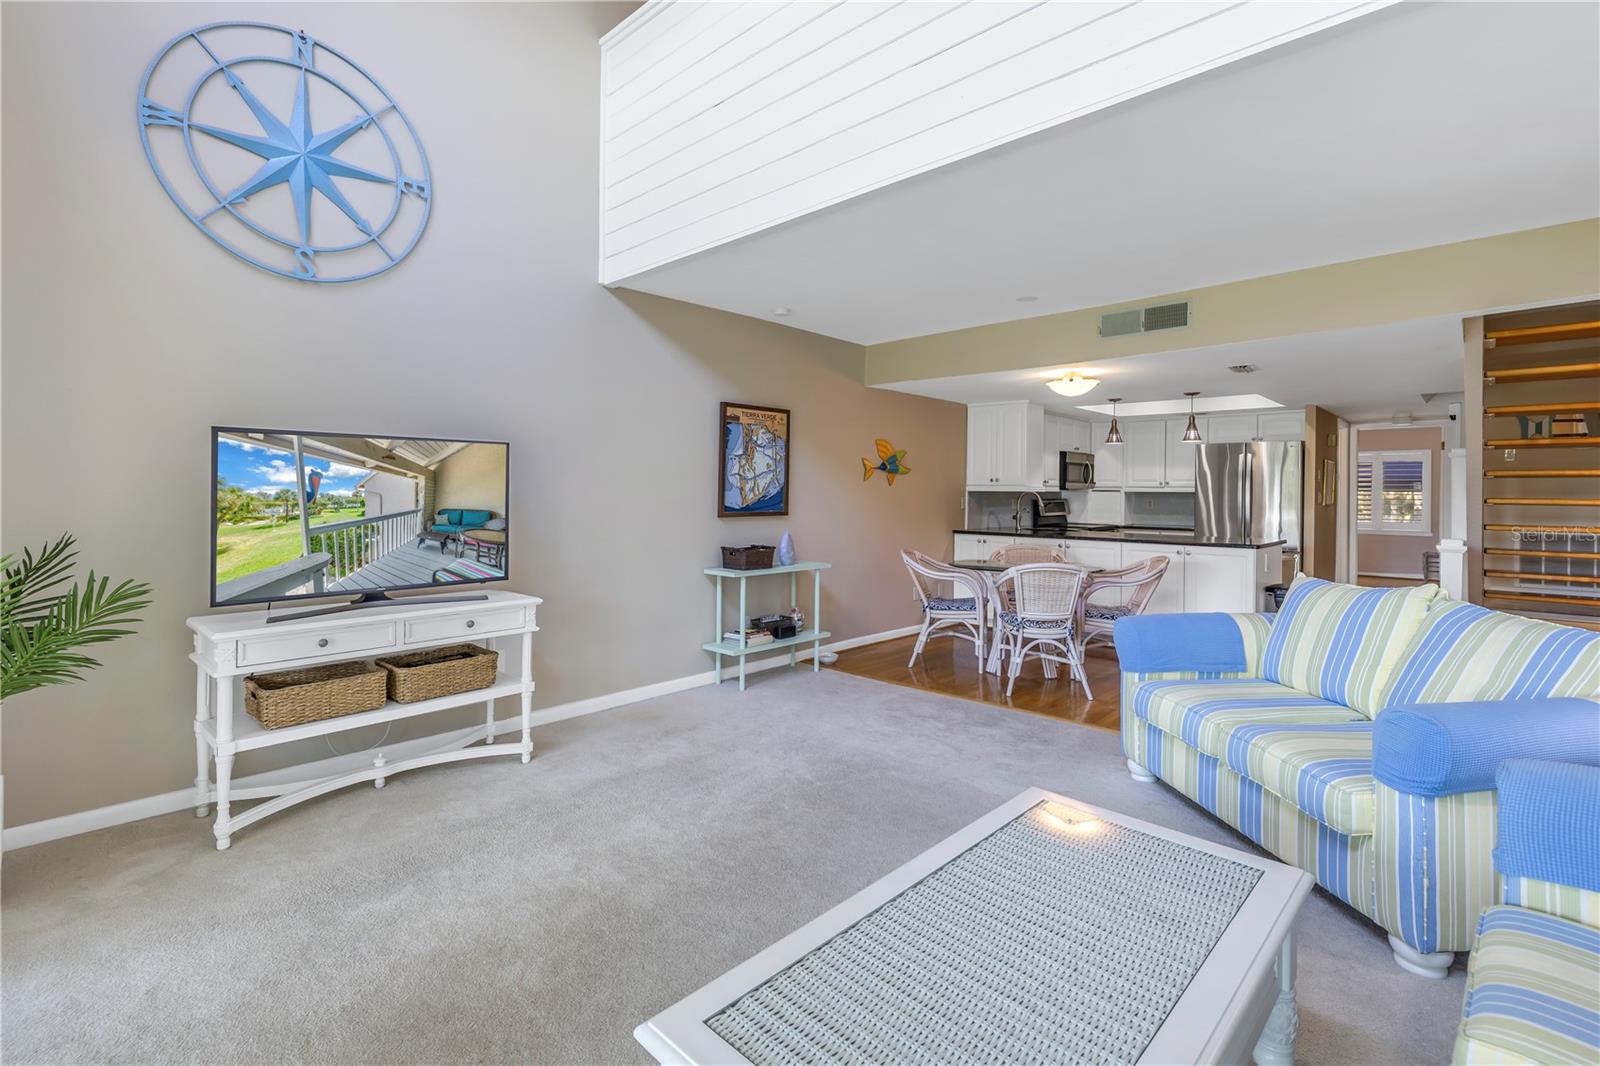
[41,633]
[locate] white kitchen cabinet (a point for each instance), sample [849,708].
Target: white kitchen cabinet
[1219,579]
[1107,457]
[1180,457]
[1230,429]
[1169,595]
[1095,554]
[1144,454]
[1005,446]
[1076,435]
[980,545]
[1281,425]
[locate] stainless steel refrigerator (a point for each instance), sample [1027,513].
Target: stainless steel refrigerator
[1249,493]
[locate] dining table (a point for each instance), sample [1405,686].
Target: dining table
[991,572]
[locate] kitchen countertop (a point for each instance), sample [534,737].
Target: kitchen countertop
[1131,536]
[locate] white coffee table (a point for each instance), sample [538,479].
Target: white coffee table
[1046,931]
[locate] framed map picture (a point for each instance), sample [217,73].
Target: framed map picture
[753,461]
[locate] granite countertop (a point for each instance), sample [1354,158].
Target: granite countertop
[1132,536]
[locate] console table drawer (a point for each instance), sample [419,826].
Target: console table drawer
[464,626]
[346,640]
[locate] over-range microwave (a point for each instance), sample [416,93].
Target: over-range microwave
[1077,470]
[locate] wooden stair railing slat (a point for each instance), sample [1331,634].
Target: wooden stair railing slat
[1548,372]
[1542,442]
[1532,553]
[1543,597]
[1583,471]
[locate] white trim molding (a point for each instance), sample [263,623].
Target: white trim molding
[135,810]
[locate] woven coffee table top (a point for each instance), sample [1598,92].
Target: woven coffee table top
[1058,938]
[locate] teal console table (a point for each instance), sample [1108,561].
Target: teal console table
[738,649]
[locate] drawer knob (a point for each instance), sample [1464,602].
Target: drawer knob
[470,623]
[323,643]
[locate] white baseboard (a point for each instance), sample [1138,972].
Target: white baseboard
[67,825]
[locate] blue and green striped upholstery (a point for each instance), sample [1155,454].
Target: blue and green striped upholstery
[1464,652]
[1533,990]
[1342,864]
[1282,749]
[1341,642]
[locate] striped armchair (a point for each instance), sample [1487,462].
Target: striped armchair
[1272,724]
[1533,979]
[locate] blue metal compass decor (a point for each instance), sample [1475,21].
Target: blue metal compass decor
[327,182]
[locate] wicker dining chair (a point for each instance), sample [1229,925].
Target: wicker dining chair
[963,615]
[1017,554]
[1041,617]
[1097,620]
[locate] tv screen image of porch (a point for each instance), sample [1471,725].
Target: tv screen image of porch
[299,514]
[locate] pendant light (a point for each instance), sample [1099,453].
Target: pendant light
[1115,436]
[1191,432]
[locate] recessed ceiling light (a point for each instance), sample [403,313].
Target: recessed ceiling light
[1072,385]
[781,312]
[1026,299]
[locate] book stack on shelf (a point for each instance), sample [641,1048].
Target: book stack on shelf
[752,637]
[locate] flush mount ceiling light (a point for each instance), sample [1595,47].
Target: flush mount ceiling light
[1114,435]
[1072,385]
[1026,299]
[1191,432]
[780,312]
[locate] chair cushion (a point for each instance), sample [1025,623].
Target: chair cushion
[1312,752]
[1342,642]
[946,603]
[1103,612]
[1009,620]
[1465,653]
[1533,990]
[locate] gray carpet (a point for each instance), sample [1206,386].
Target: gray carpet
[509,913]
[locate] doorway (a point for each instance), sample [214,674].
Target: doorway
[1396,503]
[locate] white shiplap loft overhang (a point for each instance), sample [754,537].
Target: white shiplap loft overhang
[721,120]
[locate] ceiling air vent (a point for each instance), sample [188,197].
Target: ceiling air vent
[1244,368]
[1145,319]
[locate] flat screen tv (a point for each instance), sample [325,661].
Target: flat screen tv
[296,514]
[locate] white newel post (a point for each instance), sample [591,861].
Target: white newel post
[1453,568]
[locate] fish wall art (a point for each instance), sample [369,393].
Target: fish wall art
[890,461]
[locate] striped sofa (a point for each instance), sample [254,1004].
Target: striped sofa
[1272,723]
[1533,980]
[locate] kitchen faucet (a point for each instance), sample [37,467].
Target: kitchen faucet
[1016,509]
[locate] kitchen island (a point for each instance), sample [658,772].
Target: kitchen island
[1203,573]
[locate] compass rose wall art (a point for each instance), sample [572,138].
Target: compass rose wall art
[284,151]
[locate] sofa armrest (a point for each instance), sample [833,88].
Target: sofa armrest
[1204,643]
[1441,749]
[1548,813]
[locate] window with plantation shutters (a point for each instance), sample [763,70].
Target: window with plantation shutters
[1393,492]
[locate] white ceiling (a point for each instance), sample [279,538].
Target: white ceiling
[1418,125]
[1359,374]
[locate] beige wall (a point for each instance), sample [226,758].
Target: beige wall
[126,334]
[1380,553]
[474,478]
[1548,265]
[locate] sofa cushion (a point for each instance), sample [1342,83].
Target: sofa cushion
[1204,713]
[1308,751]
[475,519]
[1324,770]
[1342,642]
[450,517]
[1463,652]
[1533,990]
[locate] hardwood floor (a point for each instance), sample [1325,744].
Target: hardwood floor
[948,666]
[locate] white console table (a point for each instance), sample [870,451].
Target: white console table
[227,647]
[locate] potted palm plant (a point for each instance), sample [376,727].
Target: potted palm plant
[43,627]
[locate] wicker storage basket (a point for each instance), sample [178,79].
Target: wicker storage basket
[754,557]
[426,675]
[295,697]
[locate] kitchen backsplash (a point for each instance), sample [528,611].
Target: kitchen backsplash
[1164,509]
[992,510]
